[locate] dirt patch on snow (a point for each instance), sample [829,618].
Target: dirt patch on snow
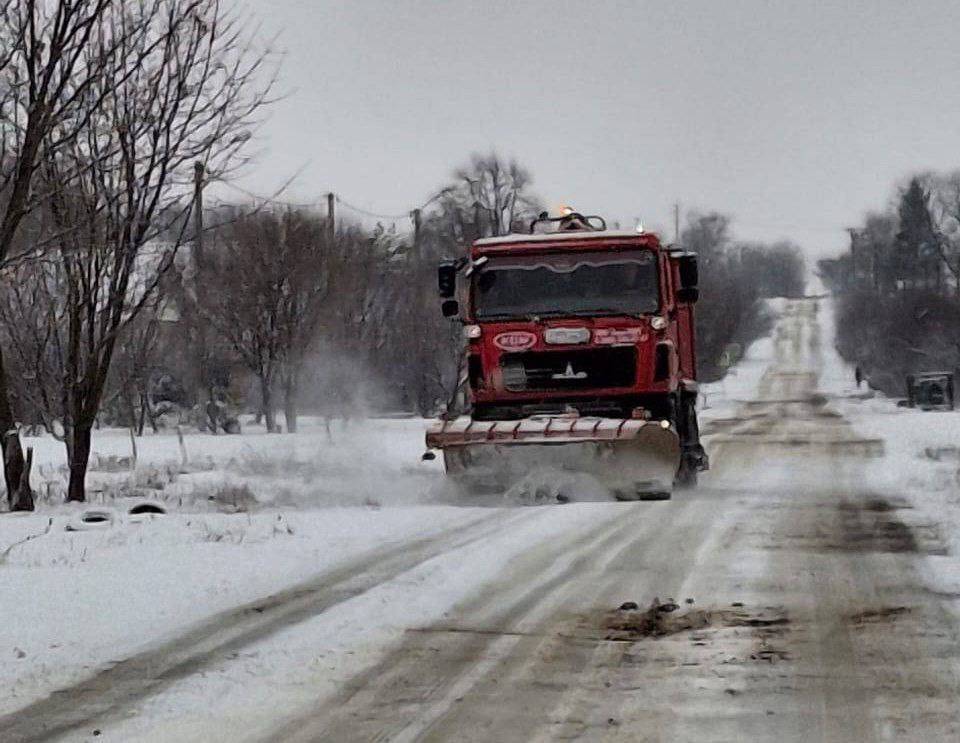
[873,526]
[876,504]
[665,619]
[883,614]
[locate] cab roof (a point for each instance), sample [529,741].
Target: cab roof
[548,242]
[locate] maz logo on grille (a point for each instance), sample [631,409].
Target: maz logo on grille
[515,340]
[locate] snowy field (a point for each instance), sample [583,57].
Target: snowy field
[252,515]
[352,464]
[246,516]
[921,465]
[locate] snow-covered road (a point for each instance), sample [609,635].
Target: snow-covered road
[802,593]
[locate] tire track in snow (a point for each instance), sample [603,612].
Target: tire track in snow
[133,679]
[421,678]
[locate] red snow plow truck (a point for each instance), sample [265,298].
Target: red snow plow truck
[580,358]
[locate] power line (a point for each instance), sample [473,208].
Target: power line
[406,215]
[268,199]
[735,222]
[372,215]
[771,226]
[314,204]
[340,200]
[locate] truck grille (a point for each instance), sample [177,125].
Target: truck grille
[585,369]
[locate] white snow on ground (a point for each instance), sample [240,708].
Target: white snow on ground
[75,600]
[921,462]
[360,461]
[314,659]
[299,666]
[719,400]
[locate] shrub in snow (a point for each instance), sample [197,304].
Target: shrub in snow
[232,497]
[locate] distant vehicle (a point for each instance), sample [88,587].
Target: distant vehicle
[580,355]
[930,390]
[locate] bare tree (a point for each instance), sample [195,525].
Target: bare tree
[945,209]
[46,75]
[896,311]
[877,256]
[122,177]
[495,191]
[771,270]
[414,346]
[707,235]
[734,276]
[126,397]
[406,338]
[274,279]
[31,306]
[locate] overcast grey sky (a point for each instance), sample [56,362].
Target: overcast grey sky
[795,117]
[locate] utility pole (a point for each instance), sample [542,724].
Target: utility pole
[199,264]
[198,179]
[476,219]
[676,222]
[331,216]
[416,216]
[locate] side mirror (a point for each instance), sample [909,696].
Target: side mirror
[689,271]
[689,296]
[689,278]
[447,279]
[450,308]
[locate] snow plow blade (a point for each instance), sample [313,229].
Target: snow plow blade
[631,458]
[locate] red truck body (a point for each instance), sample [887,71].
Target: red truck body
[621,351]
[578,324]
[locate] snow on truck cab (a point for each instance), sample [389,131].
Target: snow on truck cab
[580,355]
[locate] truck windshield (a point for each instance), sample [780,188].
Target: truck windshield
[583,284]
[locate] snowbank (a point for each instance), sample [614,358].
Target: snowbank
[247,516]
[73,601]
[313,660]
[720,399]
[349,464]
[921,466]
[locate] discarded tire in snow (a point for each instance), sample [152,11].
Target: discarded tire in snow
[91,519]
[147,508]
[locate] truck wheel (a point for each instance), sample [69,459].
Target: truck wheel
[643,492]
[687,474]
[693,458]
[654,495]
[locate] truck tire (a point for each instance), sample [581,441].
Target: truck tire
[687,473]
[692,458]
[641,494]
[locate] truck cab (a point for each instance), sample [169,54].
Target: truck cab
[596,321]
[577,320]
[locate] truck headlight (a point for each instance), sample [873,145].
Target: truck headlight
[471,332]
[658,323]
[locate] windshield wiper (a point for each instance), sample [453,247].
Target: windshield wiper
[514,316]
[535,316]
[607,311]
[598,311]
